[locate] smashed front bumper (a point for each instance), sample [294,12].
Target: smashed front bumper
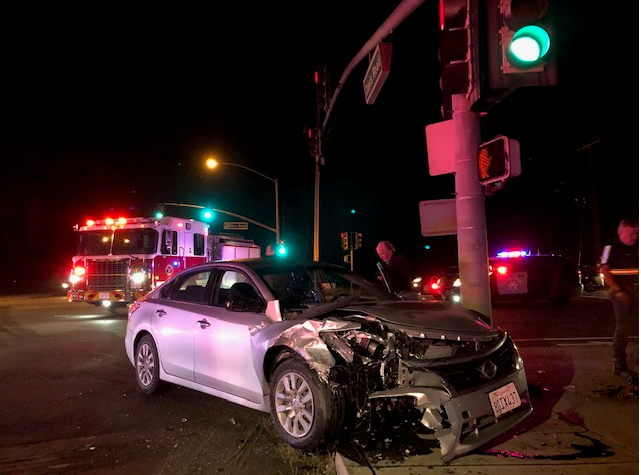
[462,423]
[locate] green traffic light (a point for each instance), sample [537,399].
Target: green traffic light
[208,215]
[282,250]
[158,215]
[528,45]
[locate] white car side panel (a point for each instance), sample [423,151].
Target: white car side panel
[223,355]
[173,328]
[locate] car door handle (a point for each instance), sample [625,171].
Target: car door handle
[161,312]
[204,323]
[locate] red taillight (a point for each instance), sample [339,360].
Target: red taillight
[501,270]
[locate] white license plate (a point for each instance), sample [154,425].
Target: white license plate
[505,399]
[103,296]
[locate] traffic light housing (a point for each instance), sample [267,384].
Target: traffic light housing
[498,160]
[458,51]
[345,241]
[358,240]
[521,43]
[314,142]
[321,79]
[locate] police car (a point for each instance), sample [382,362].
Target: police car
[518,275]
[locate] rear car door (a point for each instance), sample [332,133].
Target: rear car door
[174,322]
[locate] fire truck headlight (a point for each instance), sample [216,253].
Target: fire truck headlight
[457,283]
[138,277]
[74,279]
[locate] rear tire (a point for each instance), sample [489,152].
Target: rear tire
[147,365]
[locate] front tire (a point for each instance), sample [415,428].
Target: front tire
[301,406]
[148,366]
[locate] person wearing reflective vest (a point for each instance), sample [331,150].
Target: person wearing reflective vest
[620,267]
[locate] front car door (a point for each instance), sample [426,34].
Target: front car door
[223,349]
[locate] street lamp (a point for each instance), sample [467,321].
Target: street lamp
[212,163]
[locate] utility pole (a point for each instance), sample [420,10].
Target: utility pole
[323,91]
[470,209]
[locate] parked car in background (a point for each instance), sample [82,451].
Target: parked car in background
[328,353]
[518,276]
[592,278]
[445,285]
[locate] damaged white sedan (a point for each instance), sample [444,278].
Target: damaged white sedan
[326,351]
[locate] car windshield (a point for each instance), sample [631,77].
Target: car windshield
[298,287]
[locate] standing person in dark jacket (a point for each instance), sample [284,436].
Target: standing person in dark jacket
[620,267]
[396,266]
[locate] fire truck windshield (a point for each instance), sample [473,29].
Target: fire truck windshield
[125,242]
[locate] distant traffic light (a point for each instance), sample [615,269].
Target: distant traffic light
[321,79]
[159,210]
[521,43]
[358,240]
[314,142]
[345,241]
[207,214]
[498,160]
[281,250]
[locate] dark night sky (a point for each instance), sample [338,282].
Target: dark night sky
[114,111]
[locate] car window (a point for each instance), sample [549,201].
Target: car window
[191,287]
[227,281]
[293,286]
[333,285]
[299,287]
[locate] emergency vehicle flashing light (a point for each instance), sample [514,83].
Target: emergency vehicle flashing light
[513,254]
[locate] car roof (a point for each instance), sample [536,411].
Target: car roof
[263,262]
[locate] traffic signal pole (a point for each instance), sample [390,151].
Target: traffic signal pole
[470,209]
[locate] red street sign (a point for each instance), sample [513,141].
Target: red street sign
[377,71]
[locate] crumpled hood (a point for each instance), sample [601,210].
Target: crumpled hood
[440,316]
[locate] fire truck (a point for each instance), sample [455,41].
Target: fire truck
[120,260]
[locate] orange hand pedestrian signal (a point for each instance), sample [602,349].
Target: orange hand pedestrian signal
[498,160]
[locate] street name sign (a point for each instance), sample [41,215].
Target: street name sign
[377,71]
[236,225]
